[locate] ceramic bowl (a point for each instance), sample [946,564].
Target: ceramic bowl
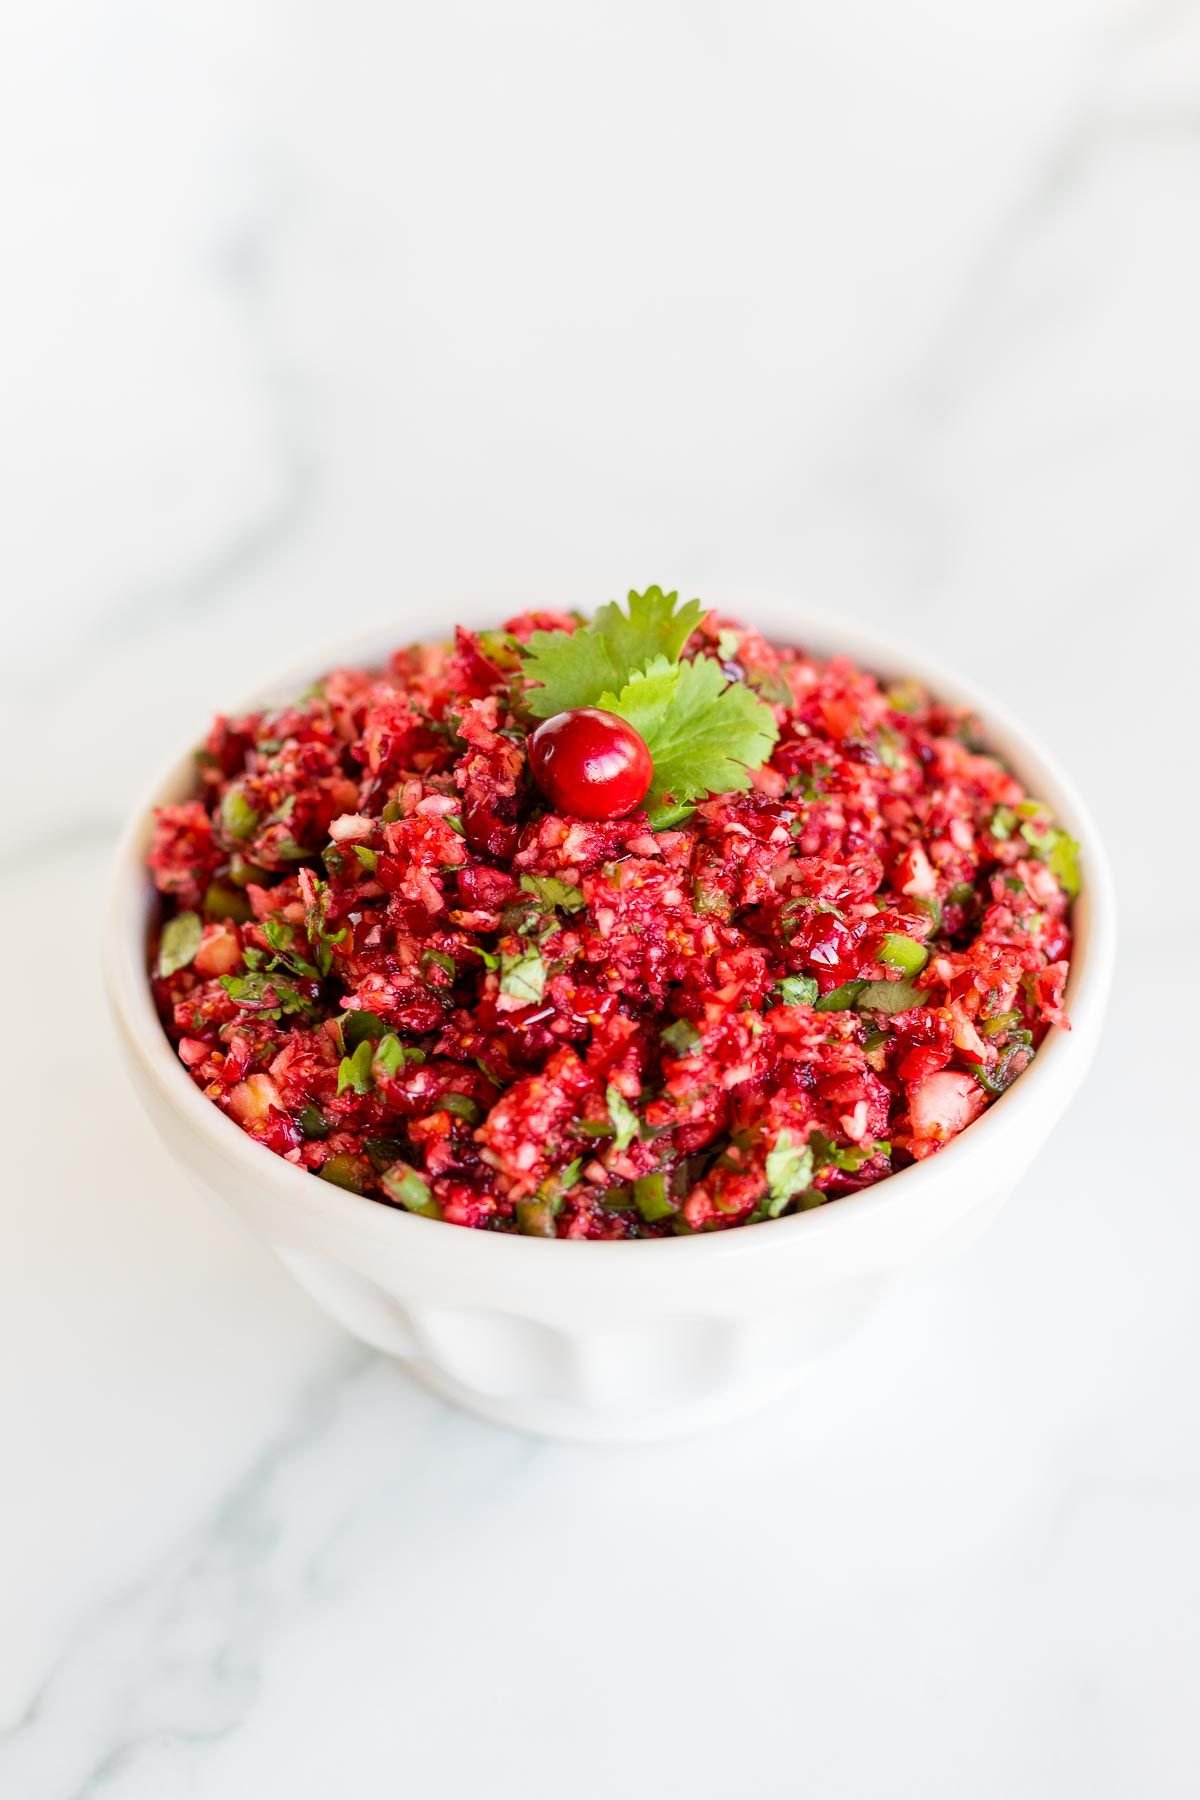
[618,1340]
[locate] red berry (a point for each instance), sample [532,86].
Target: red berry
[590,764]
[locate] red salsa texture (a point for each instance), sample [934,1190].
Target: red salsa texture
[388,959]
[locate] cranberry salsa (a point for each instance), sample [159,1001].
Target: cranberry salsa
[622,929]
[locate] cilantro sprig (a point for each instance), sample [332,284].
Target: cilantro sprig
[705,733]
[573,668]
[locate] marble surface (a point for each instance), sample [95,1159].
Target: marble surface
[320,315]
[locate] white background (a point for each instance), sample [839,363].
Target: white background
[319,315]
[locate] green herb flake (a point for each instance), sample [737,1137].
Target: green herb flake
[552,892]
[850,1158]
[367,857]
[312,1122]
[383,1151]
[282,938]
[789,1172]
[890,996]
[439,959]
[523,975]
[391,1055]
[180,941]
[667,818]
[359,1027]
[798,990]
[682,1037]
[355,1071]
[462,1107]
[568,1176]
[625,1123]
[264,993]
[1004,1071]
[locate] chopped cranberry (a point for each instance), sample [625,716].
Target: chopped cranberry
[487,833]
[590,764]
[824,942]
[560,1021]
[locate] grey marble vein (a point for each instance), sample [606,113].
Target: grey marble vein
[176,1658]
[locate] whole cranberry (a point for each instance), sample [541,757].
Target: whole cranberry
[590,764]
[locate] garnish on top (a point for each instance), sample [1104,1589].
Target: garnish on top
[629,929]
[704,731]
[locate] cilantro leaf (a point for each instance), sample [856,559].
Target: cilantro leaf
[523,974]
[890,996]
[566,1178]
[848,1157]
[266,994]
[355,1071]
[789,1172]
[681,1037]
[873,996]
[704,733]
[625,1122]
[655,626]
[320,938]
[797,990]
[180,942]
[391,1055]
[573,668]
[358,1026]
[552,892]
[282,938]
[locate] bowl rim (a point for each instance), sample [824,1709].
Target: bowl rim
[1044,1089]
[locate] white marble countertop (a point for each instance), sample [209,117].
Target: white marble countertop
[313,314]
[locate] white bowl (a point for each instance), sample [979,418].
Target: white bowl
[618,1340]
